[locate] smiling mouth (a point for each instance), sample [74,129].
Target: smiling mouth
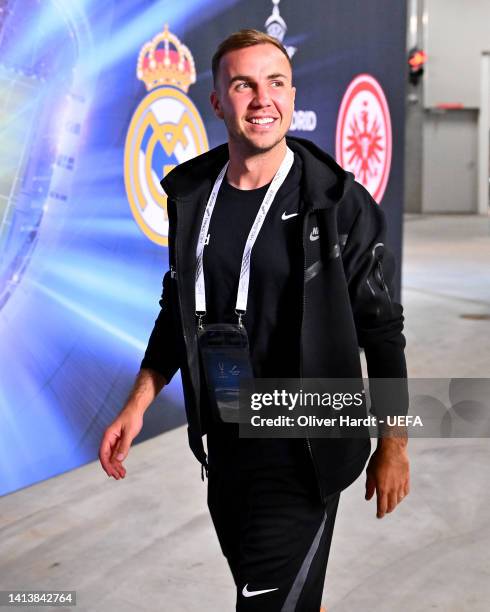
[262,121]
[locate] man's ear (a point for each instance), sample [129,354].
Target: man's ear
[215,103]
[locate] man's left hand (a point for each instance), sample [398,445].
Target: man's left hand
[388,473]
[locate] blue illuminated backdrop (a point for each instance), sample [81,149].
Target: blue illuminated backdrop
[79,277]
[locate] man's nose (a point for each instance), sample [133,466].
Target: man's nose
[262,96]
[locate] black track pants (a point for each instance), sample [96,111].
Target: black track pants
[275,534]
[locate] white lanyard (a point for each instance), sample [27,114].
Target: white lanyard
[242,296]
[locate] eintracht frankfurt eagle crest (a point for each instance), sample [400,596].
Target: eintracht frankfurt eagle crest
[363,138]
[165,130]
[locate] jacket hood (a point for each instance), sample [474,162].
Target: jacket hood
[324,182]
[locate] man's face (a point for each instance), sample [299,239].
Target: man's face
[254,96]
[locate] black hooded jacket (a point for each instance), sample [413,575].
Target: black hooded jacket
[347,295]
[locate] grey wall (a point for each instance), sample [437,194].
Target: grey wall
[442,145]
[455,34]
[413,156]
[414,122]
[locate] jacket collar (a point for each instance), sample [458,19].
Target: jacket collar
[324,182]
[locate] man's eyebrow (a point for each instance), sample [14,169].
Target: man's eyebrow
[244,77]
[277,75]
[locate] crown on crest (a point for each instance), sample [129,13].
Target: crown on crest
[164,60]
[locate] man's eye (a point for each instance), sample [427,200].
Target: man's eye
[277,83]
[242,85]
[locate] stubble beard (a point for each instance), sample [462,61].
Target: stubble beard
[250,147]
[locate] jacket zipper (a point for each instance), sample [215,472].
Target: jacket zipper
[182,312]
[308,443]
[173,274]
[379,268]
[383,282]
[204,466]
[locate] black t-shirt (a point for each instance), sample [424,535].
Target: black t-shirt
[273,317]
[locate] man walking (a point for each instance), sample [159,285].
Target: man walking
[274,249]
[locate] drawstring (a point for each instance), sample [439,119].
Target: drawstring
[204,468]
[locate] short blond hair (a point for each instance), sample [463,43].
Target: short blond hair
[240,40]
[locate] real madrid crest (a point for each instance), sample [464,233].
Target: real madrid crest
[165,130]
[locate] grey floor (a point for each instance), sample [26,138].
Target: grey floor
[147,543]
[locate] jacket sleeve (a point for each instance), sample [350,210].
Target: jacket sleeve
[370,272]
[161,353]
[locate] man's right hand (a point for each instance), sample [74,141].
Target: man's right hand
[123,430]
[117,440]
